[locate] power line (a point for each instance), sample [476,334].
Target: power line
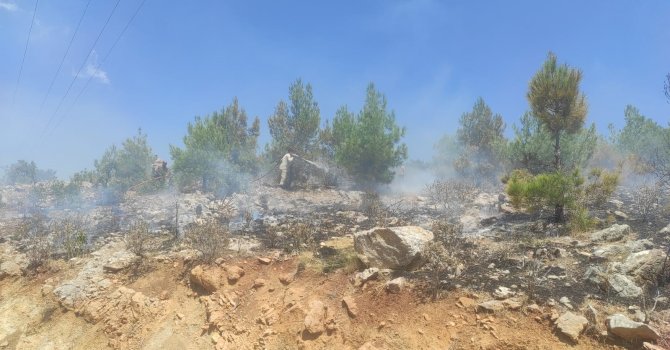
[25,51]
[60,103]
[64,56]
[118,38]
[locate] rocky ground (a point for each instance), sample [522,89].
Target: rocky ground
[520,283]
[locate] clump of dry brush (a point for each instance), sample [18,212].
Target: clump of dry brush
[211,239]
[451,195]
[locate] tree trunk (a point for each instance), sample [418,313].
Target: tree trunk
[557,151]
[558,210]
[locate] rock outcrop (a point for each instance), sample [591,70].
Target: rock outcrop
[397,248]
[629,330]
[571,325]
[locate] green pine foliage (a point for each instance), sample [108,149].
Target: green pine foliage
[480,135]
[295,126]
[125,168]
[218,150]
[532,147]
[368,145]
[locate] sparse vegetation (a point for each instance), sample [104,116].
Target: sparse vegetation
[451,195]
[211,239]
[70,236]
[138,238]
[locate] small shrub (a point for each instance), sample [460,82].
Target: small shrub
[35,231]
[70,236]
[451,194]
[580,220]
[373,207]
[64,194]
[438,261]
[210,239]
[531,275]
[138,238]
[345,259]
[600,186]
[646,200]
[300,237]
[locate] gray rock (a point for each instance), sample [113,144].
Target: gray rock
[640,245]
[366,275]
[397,248]
[629,330]
[596,276]
[396,285]
[644,265]
[623,286]
[491,306]
[120,261]
[620,215]
[571,325]
[502,293]
[614,233]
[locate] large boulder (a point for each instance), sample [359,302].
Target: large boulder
[644,266]
[630,330]
[614,233]
[397,248]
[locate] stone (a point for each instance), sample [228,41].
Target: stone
[208,280]
[259,283]
[397,248]
[234,273]
[287,278]
[591,315]
[120,261]
[315,320]
[366,275]
[595,275]
[491,306]
[396,285]
[571,325]
[645,265]
[466,302]
[620,215]
[629,330]
[502,293]
[264,261]
[623,286]
[615,232]
[350,304]
[9,268]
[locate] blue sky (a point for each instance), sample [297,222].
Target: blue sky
[432,59]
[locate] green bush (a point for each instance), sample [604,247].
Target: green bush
[537,192]
[295,125]
[367,145]
[70,237]
[217,150]
[125,168]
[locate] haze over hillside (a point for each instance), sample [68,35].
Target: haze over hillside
[156,66]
